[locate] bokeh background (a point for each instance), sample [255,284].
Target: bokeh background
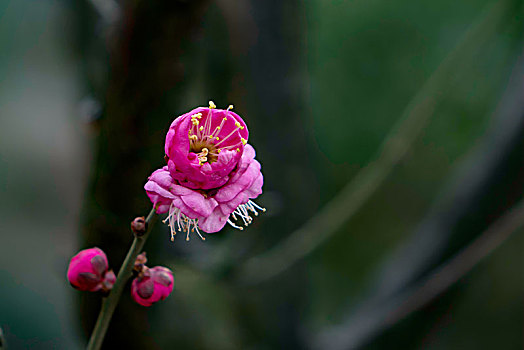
[390,135]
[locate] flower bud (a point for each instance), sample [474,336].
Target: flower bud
[141,258]
[140,262]
[87,270]
[109,281]
[153,286]
[139,226]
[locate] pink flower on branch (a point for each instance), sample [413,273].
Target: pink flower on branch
[88,271]
[211,173]
[152,285]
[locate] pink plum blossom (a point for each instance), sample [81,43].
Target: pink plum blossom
[204,146]
[152,285]
[211,175]
[88,271]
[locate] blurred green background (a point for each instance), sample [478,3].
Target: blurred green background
[90,87]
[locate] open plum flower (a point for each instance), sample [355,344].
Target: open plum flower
[211,173]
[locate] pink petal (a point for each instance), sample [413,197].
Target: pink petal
[214,222]
[199,204]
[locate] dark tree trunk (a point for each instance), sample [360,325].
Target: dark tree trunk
[144,58]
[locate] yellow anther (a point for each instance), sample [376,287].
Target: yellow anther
[225,119]
[244,141]
[189,132]
[237,124]
[218,127]
[193,137]
[218,151]
[217,138]
[201,128]
[195,121]
[238,149]
[205,151]
[212,105]
[230,107]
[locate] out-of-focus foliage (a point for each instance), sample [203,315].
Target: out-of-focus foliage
[356,101]
[320,84]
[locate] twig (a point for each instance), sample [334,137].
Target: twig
[436,282]
[110,303]
[350,199]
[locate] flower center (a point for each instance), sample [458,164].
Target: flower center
[207,137]
[205,151]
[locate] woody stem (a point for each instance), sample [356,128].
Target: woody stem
[111,301]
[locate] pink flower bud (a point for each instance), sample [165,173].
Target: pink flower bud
[154,285]
[139,226]
[87,270]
